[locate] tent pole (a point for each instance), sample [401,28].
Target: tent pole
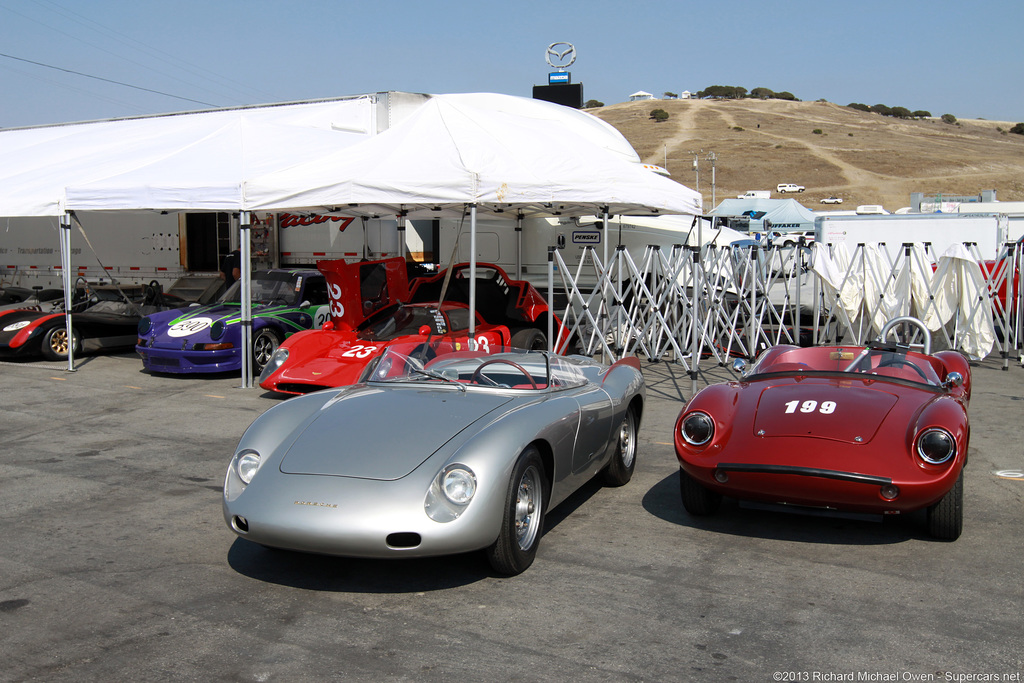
[65,275]
[519,245]
[245,274]
[403,245]
[472,276]
[551,299]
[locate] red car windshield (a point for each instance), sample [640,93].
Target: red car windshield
[881,362]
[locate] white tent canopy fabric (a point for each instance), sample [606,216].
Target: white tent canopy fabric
[494,152]
[190,161]
[486,149]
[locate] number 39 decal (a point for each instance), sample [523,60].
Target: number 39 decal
[826,407]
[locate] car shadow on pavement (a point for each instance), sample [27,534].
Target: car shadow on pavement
[355,575]
[794,525]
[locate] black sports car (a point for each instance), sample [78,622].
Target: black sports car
[104,317]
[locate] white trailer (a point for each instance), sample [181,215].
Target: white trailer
[134,248]
[498,241]
[988,231]
[1014,212]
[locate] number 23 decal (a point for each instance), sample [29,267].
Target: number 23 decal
[359,351]
[826,407]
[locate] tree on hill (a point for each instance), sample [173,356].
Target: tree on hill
[786,95]
[948,118]
[859,107]
[922,114]
[725,92]
[900,113]
[882,109]
[659,115]
[1018,128]
[762,93]
[593,104]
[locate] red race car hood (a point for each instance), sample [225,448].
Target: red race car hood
[337,365]
[383,433]
[841,411]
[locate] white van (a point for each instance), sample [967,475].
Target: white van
[755,194]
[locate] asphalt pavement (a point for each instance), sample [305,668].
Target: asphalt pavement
[116,564]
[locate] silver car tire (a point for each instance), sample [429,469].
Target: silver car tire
[264,344]
[619,470]
[523,522]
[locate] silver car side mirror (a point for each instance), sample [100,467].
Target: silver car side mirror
[953,380]
[739,366]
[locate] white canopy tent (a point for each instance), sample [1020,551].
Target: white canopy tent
[191,161]
[452,155]
[490,153]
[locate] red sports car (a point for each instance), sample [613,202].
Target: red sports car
[373,306]
[880,429]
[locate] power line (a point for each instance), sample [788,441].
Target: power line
[106,80]
[110,34]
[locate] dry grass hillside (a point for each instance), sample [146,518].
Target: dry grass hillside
[861,157]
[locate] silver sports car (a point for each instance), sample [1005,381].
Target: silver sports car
[435,455]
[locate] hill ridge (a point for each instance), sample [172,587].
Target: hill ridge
[862,157]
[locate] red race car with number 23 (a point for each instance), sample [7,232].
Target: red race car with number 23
[373,306]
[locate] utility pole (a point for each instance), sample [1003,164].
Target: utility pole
[712,157]
[696,168]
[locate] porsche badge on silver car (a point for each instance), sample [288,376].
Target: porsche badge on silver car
[464,451]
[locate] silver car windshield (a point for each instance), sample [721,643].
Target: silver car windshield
[499,367]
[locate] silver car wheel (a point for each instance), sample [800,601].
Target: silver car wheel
[523,520]
[619,469]
[528,508]
[627,439]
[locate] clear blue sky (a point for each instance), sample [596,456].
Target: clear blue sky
[962,58]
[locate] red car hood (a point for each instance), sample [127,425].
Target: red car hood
[325,359]
[357,436]
[848,412]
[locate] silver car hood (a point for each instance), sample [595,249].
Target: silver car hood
[383,433]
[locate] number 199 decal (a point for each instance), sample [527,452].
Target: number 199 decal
[826,407]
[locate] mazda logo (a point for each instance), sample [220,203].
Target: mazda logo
[560,55]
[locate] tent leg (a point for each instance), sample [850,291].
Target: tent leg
[551,299]
[65,274]
[245,268]
[472,276]
[519,246]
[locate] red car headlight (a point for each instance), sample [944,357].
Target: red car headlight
[936,446]
[697,428]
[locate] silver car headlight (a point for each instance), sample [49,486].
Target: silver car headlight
[458,485]
[450,492]
[247,463]
[275,362]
